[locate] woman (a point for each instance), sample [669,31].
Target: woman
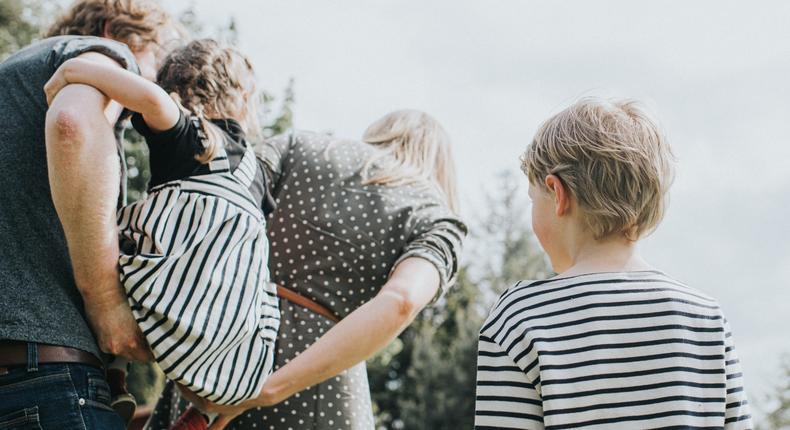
[364,233]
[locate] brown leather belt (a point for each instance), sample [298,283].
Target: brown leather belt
[298,299]
[13,353]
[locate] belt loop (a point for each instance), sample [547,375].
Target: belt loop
[32,357]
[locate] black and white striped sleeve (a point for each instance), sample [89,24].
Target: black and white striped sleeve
[737,414]
[505,396]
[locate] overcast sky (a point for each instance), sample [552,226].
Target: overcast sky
[715,73]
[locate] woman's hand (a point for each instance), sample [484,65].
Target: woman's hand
[227,413]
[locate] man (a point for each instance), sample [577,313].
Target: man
[64,177]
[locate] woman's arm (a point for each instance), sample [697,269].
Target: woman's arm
[159,111]
[367,330]
[361,334]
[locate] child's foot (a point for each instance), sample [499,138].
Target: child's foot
[191,419]
[122,401]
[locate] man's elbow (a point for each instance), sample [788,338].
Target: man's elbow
[66,125]
[76,116]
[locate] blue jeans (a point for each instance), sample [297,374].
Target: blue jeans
[56,396]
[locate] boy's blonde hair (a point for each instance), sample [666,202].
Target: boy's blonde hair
[136,23]
[415,146]
[211,81]
[613,159]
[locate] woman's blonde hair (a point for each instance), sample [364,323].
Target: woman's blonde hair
[211,81]
[136,23]
[414,146]
[613,159]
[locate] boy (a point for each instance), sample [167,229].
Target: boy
[610,342]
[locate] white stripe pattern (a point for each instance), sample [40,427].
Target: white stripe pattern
[198,282]
[608,351]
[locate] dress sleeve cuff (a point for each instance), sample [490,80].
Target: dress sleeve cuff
[445,282]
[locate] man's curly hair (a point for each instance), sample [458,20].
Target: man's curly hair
[133,22]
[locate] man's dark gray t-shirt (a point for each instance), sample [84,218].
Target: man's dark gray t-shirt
[39,301]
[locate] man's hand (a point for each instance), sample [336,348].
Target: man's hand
[117,331]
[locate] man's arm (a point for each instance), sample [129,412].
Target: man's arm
[84,177]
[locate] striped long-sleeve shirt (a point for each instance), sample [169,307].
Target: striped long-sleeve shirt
[632,350]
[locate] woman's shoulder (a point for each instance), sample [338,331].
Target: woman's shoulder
[326,152]
[306,137]
[326,141]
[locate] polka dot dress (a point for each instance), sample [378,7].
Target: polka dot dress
[335,239]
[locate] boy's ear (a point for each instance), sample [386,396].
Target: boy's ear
[562,199]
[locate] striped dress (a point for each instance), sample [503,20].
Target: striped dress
[197,280]
[633,350]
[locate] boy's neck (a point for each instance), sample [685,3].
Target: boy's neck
[610,255]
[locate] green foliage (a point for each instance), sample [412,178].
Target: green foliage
[21,22]
[138,171]
[145,382]
[19,25]
[283,119]
[779,416]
